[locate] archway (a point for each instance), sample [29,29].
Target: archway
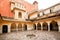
[19,27]
[38,26]
[45,26]
[53,26]
[34,26]
[25,27]
[4,29]
[13,27]
[20,15]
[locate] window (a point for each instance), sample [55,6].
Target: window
[20,15]
[50,10]
[12,6]
[41,13]
[15,4]
[38,15]
[47,11]
[18,5]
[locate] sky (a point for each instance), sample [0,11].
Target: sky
[43,4]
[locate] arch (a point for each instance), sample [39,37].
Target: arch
[13,27]
[34,26]
[25,27]
[19,27]
[45,26]
[38,26]
[53,26]
[4,29]
[20,15]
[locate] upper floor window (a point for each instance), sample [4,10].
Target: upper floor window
[41,13]
[47,11]
[55,8]
[50,11]
[38,15]
[20,15]
[17,4]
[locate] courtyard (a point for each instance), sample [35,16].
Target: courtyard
[31,35]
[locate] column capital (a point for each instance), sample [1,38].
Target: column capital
[48,22]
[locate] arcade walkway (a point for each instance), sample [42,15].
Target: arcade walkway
[31,35]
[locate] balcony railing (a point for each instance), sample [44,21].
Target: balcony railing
[14,5]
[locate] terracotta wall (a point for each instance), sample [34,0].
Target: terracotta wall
[5,9]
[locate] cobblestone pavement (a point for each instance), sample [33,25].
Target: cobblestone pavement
[26,35]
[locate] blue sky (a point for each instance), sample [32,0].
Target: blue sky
[43,4]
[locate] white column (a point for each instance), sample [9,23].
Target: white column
[59,28]
[41,26]
[59,25]
[9,28]
[22,27]
[16,14]
[48,26]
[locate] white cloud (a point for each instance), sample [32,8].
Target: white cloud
[42,4]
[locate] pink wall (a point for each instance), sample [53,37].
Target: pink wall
[5,9]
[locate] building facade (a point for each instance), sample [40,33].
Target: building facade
[19,15]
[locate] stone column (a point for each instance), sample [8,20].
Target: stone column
[41,26]
[1,29]
[36,26]
[22,27]
[9,28]
[59,26]
[17,27]
[48,26]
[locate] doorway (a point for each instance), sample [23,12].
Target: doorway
[45,26]
[5,29]
[34,26]
[25,27]
[38,26]
[53,26]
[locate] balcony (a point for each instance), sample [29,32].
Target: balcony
[50,15]
[17,5]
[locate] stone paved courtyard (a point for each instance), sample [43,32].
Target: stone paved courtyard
[37,35]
